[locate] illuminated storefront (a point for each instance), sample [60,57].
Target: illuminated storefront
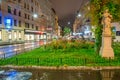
[31,35]
[0,35]
[17,27]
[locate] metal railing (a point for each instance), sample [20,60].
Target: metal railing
[60,62]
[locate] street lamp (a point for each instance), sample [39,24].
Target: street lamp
[35,15]
[69,23]
[79,15]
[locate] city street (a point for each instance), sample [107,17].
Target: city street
[10,50]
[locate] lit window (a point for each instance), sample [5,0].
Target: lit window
[0,19]
[0,35]
[10,35]
[19,34]
[15,35]
[8,21]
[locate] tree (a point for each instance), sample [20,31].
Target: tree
[67,31]
[97,7]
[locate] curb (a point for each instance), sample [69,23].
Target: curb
[63,67]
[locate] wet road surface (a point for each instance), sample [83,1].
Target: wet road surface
[10,50]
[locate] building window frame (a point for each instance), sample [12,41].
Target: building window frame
[19,13]
[15,35]
[0,19]
[19,35]
[9,9]
[20,23]
[15,22]
[15,11]
[117,33]
[0,35]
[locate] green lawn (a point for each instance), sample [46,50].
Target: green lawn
[40,53]
[49,56]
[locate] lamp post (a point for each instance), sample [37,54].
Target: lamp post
[36,16]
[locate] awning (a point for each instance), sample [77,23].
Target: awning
[34,32]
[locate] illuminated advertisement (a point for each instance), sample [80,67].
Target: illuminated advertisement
[8,23]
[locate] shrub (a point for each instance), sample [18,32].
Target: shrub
[69,45]
[116,47]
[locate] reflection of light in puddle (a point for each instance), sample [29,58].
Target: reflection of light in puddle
[15,75]
[17,49]
[44,76]
[79,75]
[1,52]
[28,47]
[10,50]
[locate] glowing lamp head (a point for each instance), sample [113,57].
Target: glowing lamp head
[68,22]
[35,15]
[79,15]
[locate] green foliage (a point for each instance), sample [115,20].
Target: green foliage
[97,7]
[67,31]
[69,45]
[116,47]
[98,36]
[114,10]
[78,57]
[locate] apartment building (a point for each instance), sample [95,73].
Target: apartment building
[116,31]
[49,17]
[21,21]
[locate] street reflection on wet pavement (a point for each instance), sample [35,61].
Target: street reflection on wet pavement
[38,74]
[10,50]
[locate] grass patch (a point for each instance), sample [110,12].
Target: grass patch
[60,53]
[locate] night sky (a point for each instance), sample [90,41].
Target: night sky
[67,10]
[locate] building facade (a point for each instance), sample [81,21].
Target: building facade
[49,17]
[116,31]
[21,21]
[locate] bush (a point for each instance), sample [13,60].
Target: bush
[116,47]
[69,44]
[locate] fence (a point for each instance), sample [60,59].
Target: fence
[60,62]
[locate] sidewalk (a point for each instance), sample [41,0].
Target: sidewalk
[63,67]
[10,43]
